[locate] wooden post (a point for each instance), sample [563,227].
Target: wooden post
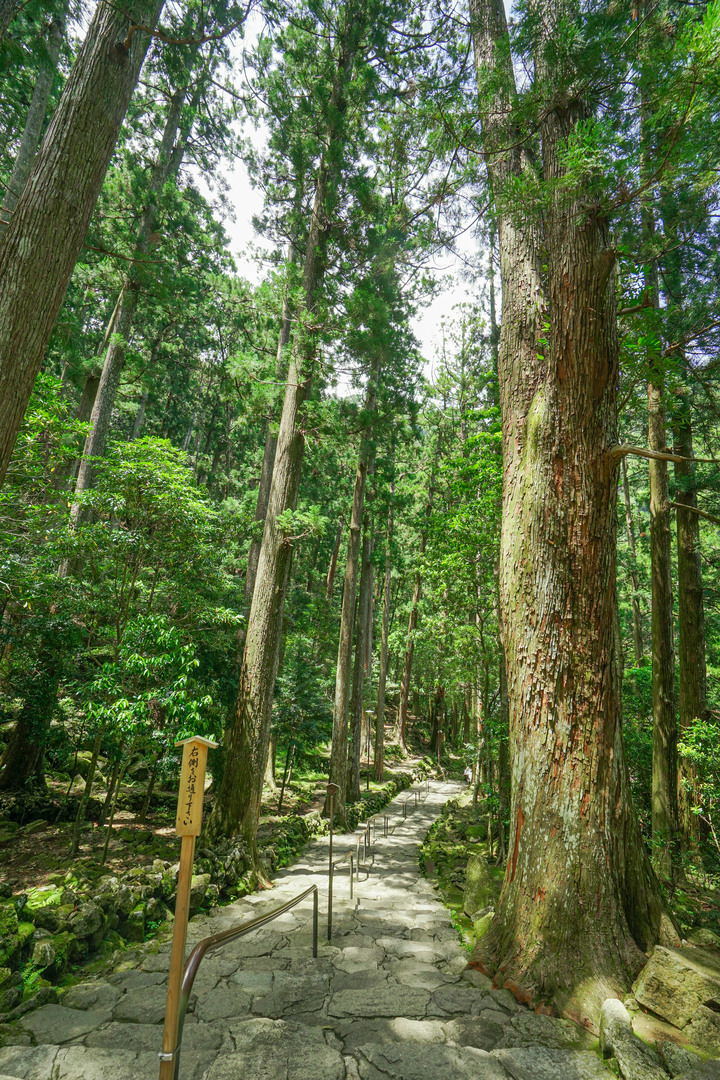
[188,823]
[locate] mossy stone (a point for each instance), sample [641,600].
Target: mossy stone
[481,888]
[66,948]
[8,920]
[482,925]
[42,896]
[25,931]
[133,927]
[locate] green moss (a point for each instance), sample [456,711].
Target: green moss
[42,896]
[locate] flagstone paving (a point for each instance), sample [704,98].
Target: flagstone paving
[390,998]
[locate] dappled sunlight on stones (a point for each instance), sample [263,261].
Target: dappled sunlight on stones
[391,998]
[56,1024]
[412,1061]
[539,1063]
[269,1050]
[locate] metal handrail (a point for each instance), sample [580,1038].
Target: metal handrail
[407,800]
[203,947]
[367,843]
[331,874]
[374,820]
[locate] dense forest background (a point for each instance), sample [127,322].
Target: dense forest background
[134,503]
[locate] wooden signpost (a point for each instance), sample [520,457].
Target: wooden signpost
[188,823]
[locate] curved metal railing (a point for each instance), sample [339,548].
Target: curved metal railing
[216,940]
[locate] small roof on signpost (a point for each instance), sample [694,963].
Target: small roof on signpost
[200,739]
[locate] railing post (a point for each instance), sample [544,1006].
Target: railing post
[352,872]
[188,823]
[332,789]
[315,923]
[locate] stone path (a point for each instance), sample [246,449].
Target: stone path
[390,998]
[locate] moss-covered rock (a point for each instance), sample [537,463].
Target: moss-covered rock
[43,955]
[482,925]
[41,897]
[11,989]
[86,921]
[198,888]
[10,943]
[53,917]
[481,888]
[132,927]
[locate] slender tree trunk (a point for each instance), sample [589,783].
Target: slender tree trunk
[8,11]
[400,733]
[691,615]
[247,738]
[140,417]
[339,746]
[692,664]
[120,776]
[664,758]
[35,120]
[401,725]
[634,580]
[356,706]
[338,750]
[330,579]
[579,903]
[21,762]
[270,781]
[87,792]
[167,164]
[51,218]
[112,783]
[379,765]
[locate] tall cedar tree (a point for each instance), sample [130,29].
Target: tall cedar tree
[43,240]
[579,903]
[248,736]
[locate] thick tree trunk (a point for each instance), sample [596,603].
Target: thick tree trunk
[579,902]
[270,447]
[266,472]
[247,738]
[378,762]
[35,120]
[634,580]
[356,704]
[51,218]
[503,772]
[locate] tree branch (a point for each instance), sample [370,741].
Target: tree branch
[691,337]
[694,510]
[167,40]
[615,453]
